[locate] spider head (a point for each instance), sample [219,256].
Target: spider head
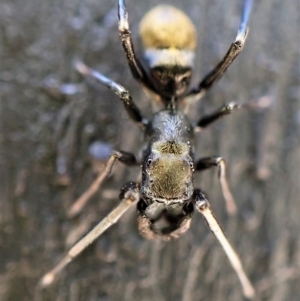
[168,174]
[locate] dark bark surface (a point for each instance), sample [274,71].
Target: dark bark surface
[49,116]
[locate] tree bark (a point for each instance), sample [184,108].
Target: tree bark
[50,116]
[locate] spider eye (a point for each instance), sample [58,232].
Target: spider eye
[149,162]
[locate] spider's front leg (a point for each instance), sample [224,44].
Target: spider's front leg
[202,205]
[130,194]
[209,162]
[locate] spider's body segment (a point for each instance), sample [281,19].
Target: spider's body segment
[168,158]
[169,39]
[166,197]
[167,176]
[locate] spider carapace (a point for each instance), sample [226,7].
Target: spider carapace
[165,208]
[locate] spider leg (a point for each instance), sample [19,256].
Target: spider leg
[129,196]
[227,109]
[136,67]
[202,205]
[132,110]
[221,112]
[124,157]
[235,48]
[205,163]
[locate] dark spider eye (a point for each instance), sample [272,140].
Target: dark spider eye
[149,162]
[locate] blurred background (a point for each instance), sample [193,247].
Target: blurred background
[53,123]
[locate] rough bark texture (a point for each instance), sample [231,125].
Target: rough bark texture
[44,161]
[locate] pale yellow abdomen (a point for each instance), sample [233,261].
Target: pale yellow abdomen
[167,27]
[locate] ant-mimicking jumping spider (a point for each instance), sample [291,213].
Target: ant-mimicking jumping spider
[166,196]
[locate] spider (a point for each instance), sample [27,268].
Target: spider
[166,197]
